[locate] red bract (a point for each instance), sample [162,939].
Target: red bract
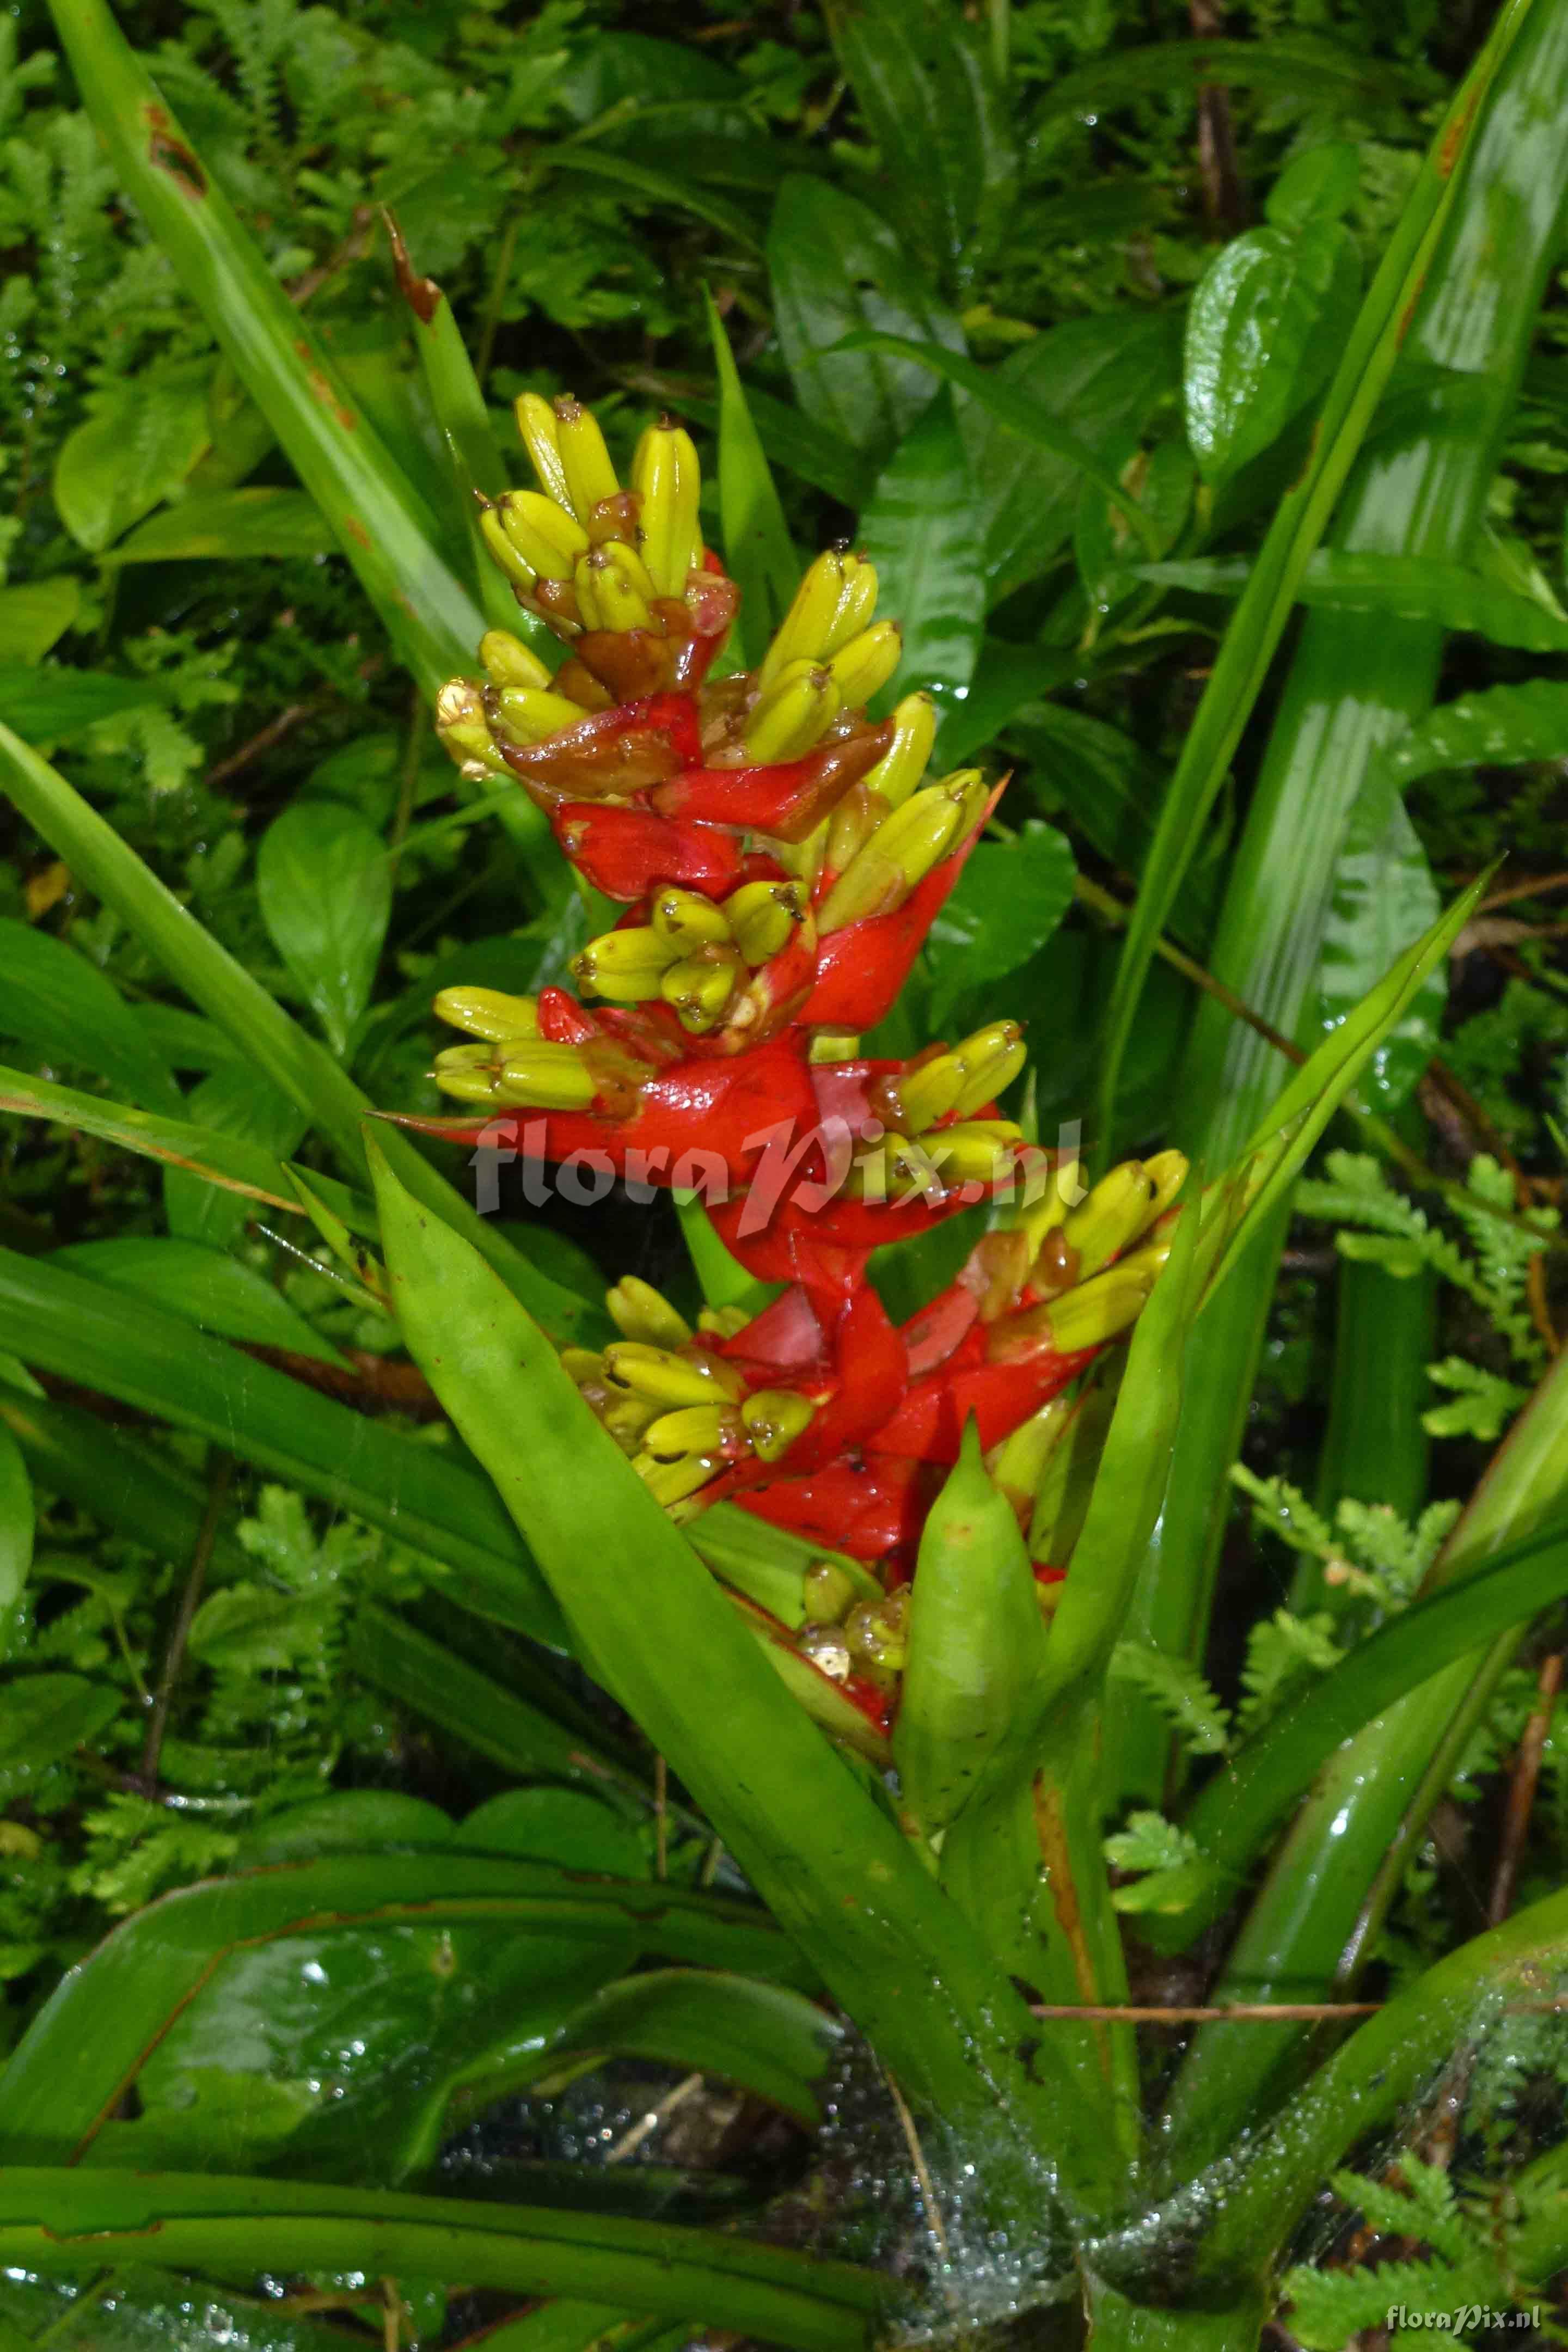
[780,859]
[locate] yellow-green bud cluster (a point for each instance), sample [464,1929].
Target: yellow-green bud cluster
[697,955]
[679,1409]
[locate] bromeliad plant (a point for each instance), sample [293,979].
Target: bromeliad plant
[781,859]
[886,1595]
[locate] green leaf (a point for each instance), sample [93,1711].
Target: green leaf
[766,2038]
[137,448]
[296,1063]
[758,551]
[231,526]
[18,1518]
[1300,64]
[1401,587]
[235,1106]
[1385,899]
[1366,362]
[204,2223]
[922,532]
[661,186]
[119,1480]
[89,1334]
[218,1292]
[563,1825]
[379,521]
[46,1715]
[324,888]
[835,267]
[61,1008]
[928,91]
[1503,727]
[1100,380]
[1322,183]
[1265,321]
[57,703]
[33,614]
[1008,902]
[1015,413]
[834,1868]
[493,1721]
[215,1978]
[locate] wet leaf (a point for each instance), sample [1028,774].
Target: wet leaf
[324,888]
[46,1715]
[835,267]
[62,1009]
[1266,323]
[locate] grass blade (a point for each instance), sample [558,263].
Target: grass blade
[378,520]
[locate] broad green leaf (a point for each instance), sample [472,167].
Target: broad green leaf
[62,1009]
[835,267]
[218,1292]
[89,1334]
[1320,184]
[33,614]
[201,2221]
[1008,680]
[976,1644]
[238,1106]
[922,532]
[661,186]
[832,1867]
[1161,482]
[1366,362]
[223,1966]
[46,1715]
[1501,727]
[495,1722]
[1008,903]
[1403,587]
[758,552]
[379,521]
[55,703]
[797,442]
[122,1481]
[1266,319]
[928,93]
[767,2038]
[1099,380]
[138,2317]
[324,887]
[233,525]
[1300,64]
[1385,899]
[137,447]
[17,1525]
[562,1825]
[1015,413]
